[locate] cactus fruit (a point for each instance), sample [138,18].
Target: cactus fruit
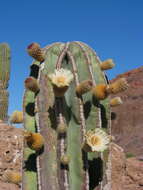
[34,140]
[118,86]
[12,176]
[68,114]
[99,91]
[16,117]
[108,64]
[115,101]
[32,84]
[36,52]
[4,78]
[84,87]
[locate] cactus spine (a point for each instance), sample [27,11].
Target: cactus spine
[4,78]
[79,112]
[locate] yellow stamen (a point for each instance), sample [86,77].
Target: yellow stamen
[61,79]
[95,140]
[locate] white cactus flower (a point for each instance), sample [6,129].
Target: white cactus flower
[61,77]
[97,139]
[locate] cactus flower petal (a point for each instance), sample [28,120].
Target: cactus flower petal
[97,139]
[61,77]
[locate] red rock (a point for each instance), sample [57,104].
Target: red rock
[118,167]
[127,174]
[8,186]
[10,153]
[127,127]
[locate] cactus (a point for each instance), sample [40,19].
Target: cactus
[64,120]
[4,78]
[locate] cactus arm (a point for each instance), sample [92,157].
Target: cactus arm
[45,100]
[62,117]
[104,113]
[29,156]
[94,118]
[29,124]
[47,160]
[74,133]
[4,78]
[84,72]
[106,123]
[29,179]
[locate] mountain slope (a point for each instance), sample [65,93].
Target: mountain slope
[127,119]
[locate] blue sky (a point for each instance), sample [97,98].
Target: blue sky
[114,28]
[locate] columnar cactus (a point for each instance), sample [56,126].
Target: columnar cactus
[4,78]
[74,123]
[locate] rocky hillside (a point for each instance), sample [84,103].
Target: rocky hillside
[127,173]
[10,153]
[127,119]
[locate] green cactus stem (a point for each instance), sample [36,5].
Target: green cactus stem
[29,156]
[63,164]
[4,78]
